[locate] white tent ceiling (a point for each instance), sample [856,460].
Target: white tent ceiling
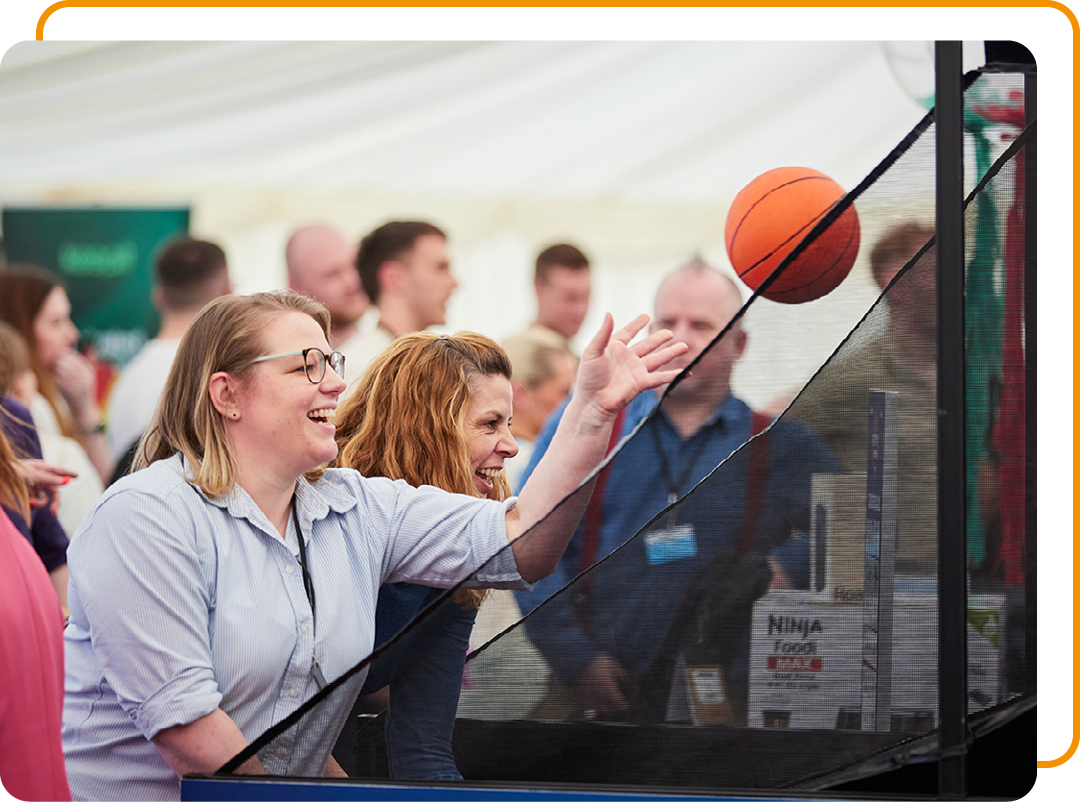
[632,150]
[622,122]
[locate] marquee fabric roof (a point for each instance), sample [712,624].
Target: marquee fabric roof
[633,150]
[626,122]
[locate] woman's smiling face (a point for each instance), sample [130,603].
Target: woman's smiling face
[487,429]
[282,415]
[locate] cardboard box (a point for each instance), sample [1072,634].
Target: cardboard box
[806,661]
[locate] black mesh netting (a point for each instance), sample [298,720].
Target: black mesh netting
[776,626]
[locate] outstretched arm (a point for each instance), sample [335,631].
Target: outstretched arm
[611,374]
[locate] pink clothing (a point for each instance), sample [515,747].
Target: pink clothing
[31,673]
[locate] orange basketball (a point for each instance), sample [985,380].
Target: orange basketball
[771,215]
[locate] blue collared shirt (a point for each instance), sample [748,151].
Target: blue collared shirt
[631,603]
[183,604]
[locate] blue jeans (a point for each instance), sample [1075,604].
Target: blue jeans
[424,673]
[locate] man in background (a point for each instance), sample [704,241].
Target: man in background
[321,264]
[602,639]
[189,273]
[404,268]
[901,357]
[563,283]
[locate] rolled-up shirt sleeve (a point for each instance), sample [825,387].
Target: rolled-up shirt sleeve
[140,575]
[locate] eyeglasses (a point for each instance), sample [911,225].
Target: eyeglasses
[315,362]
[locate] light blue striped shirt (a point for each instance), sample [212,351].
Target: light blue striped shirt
[181,604]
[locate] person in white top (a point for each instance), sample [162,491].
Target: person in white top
[563,284]
[405,271]
[189,273]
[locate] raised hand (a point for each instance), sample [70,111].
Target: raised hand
[613,372]
[77,379]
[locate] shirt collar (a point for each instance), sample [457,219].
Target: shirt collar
[731,415]
[314,500]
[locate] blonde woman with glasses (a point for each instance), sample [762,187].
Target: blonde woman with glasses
[217,589]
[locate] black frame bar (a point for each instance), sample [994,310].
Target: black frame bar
[952,508]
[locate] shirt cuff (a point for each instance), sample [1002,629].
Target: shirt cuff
[182,701]
[501,570]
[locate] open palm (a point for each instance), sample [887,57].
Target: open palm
[613,371]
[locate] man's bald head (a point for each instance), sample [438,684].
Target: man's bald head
[718,285]
[321,264]
[696,302]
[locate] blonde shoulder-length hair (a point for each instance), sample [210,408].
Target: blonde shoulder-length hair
[406,417]
[226,336]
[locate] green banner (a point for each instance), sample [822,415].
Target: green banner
[106,258]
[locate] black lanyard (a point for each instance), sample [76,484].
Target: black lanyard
[692,453]
[309,589]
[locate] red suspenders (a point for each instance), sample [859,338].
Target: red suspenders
[757,476]
[594,512]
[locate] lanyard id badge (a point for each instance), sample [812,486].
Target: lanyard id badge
[670,542]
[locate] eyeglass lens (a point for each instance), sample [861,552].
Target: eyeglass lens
[337,363]
[315,364]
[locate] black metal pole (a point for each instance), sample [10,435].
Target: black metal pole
[952,537]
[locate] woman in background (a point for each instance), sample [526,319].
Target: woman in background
[544,368]
[64,407]
[41,526]
[432,410]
